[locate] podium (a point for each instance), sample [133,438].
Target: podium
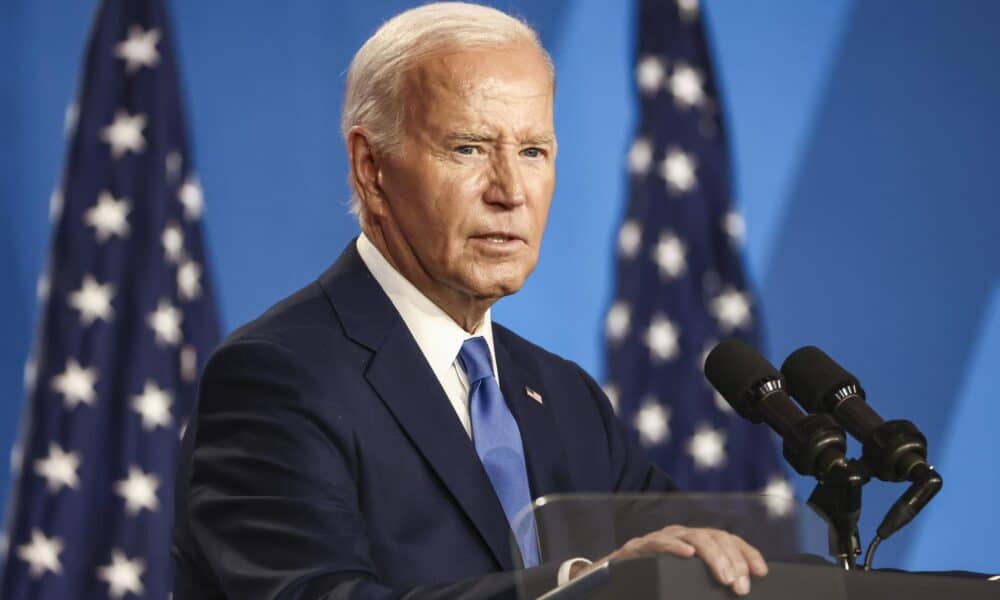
[793,539]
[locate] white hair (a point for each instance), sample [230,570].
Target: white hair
[374,97]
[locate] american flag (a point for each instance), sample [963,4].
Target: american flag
[127,318]
[680,284]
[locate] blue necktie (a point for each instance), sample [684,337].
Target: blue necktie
[498,443]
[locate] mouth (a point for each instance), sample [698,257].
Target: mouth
[498,243]
[498,237]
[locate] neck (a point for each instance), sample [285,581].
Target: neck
[467,311]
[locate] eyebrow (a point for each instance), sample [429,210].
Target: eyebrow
[539,140]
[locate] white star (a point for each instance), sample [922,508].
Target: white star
[189,280]
[686,86]
[122,575]
[678,168]
[108,217]
[669,256]
[661,338]
[139,491]
[93,300]
[125,134]
[172,239]
[70,119]
[139,49]
[731,309]
[153,404]
[617,322]
[629,238]
[779,497]
[55,205]
[173,164]
[59,468]
[192,198]
[189,363]
[76,384]
[734,226]
[707,448]
[41,554]
[43,287]
[721,404]
[649,73]
[165,321]
[611,391]
[688,9]
[653,422]
[30,374]
[640,156]
[16,458]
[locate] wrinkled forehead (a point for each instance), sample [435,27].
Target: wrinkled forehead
[512,81]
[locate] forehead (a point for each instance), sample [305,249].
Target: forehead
[509,84]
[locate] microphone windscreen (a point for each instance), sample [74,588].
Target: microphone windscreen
[734,368]
[812,376]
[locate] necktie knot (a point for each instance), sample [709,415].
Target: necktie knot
[475,359]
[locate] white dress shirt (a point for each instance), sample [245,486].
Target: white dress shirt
[439,338]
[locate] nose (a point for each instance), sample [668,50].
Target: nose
[506,187]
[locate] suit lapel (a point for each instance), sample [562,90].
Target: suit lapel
[406,384]
[543,450]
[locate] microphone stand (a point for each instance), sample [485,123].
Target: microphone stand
[837,499]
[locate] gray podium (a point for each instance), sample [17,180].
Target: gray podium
[791,536]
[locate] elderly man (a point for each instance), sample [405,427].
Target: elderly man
[374,434]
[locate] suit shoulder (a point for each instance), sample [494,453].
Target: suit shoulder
[303,312]
[543,359]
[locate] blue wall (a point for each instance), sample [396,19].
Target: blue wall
[863,139]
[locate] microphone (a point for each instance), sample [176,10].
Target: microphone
[893,450]
[813,444]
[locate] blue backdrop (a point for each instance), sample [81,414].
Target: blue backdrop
[864,141]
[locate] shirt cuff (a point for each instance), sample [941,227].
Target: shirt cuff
[564,569]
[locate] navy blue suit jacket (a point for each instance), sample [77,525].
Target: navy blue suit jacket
[325,460]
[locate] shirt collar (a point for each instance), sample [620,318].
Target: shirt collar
[437,335]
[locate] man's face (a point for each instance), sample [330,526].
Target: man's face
[467,192]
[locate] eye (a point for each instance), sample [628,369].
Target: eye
[467,150]
[533,152]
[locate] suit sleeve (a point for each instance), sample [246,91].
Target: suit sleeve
[632,471]
[271,500]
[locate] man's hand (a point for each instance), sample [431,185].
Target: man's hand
[730,559]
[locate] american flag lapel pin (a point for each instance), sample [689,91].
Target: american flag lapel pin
[533,394]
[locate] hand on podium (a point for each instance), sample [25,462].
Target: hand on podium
[731,559]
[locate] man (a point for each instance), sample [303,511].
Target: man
[375,433]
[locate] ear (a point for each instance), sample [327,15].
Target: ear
[365,165]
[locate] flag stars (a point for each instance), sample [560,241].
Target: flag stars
[735,227]
[172,164]
[153,405]
[662,339]
[649,74]
[139,49]
[76,384]
[652,422]
[125,134]
[93,301]
[670,256]
[640,156]
[59,469]
[614,396]
[779,497]
[165,322]
[685,84]
[688,9]
[617,322]
[172,239]
[629,238]
[731,309]
[189,280]
[678,169]
[122,575]
[41,554]
[139,491]
[109,217]
[189,363]
[55,205]
[707,448]
[192,198]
